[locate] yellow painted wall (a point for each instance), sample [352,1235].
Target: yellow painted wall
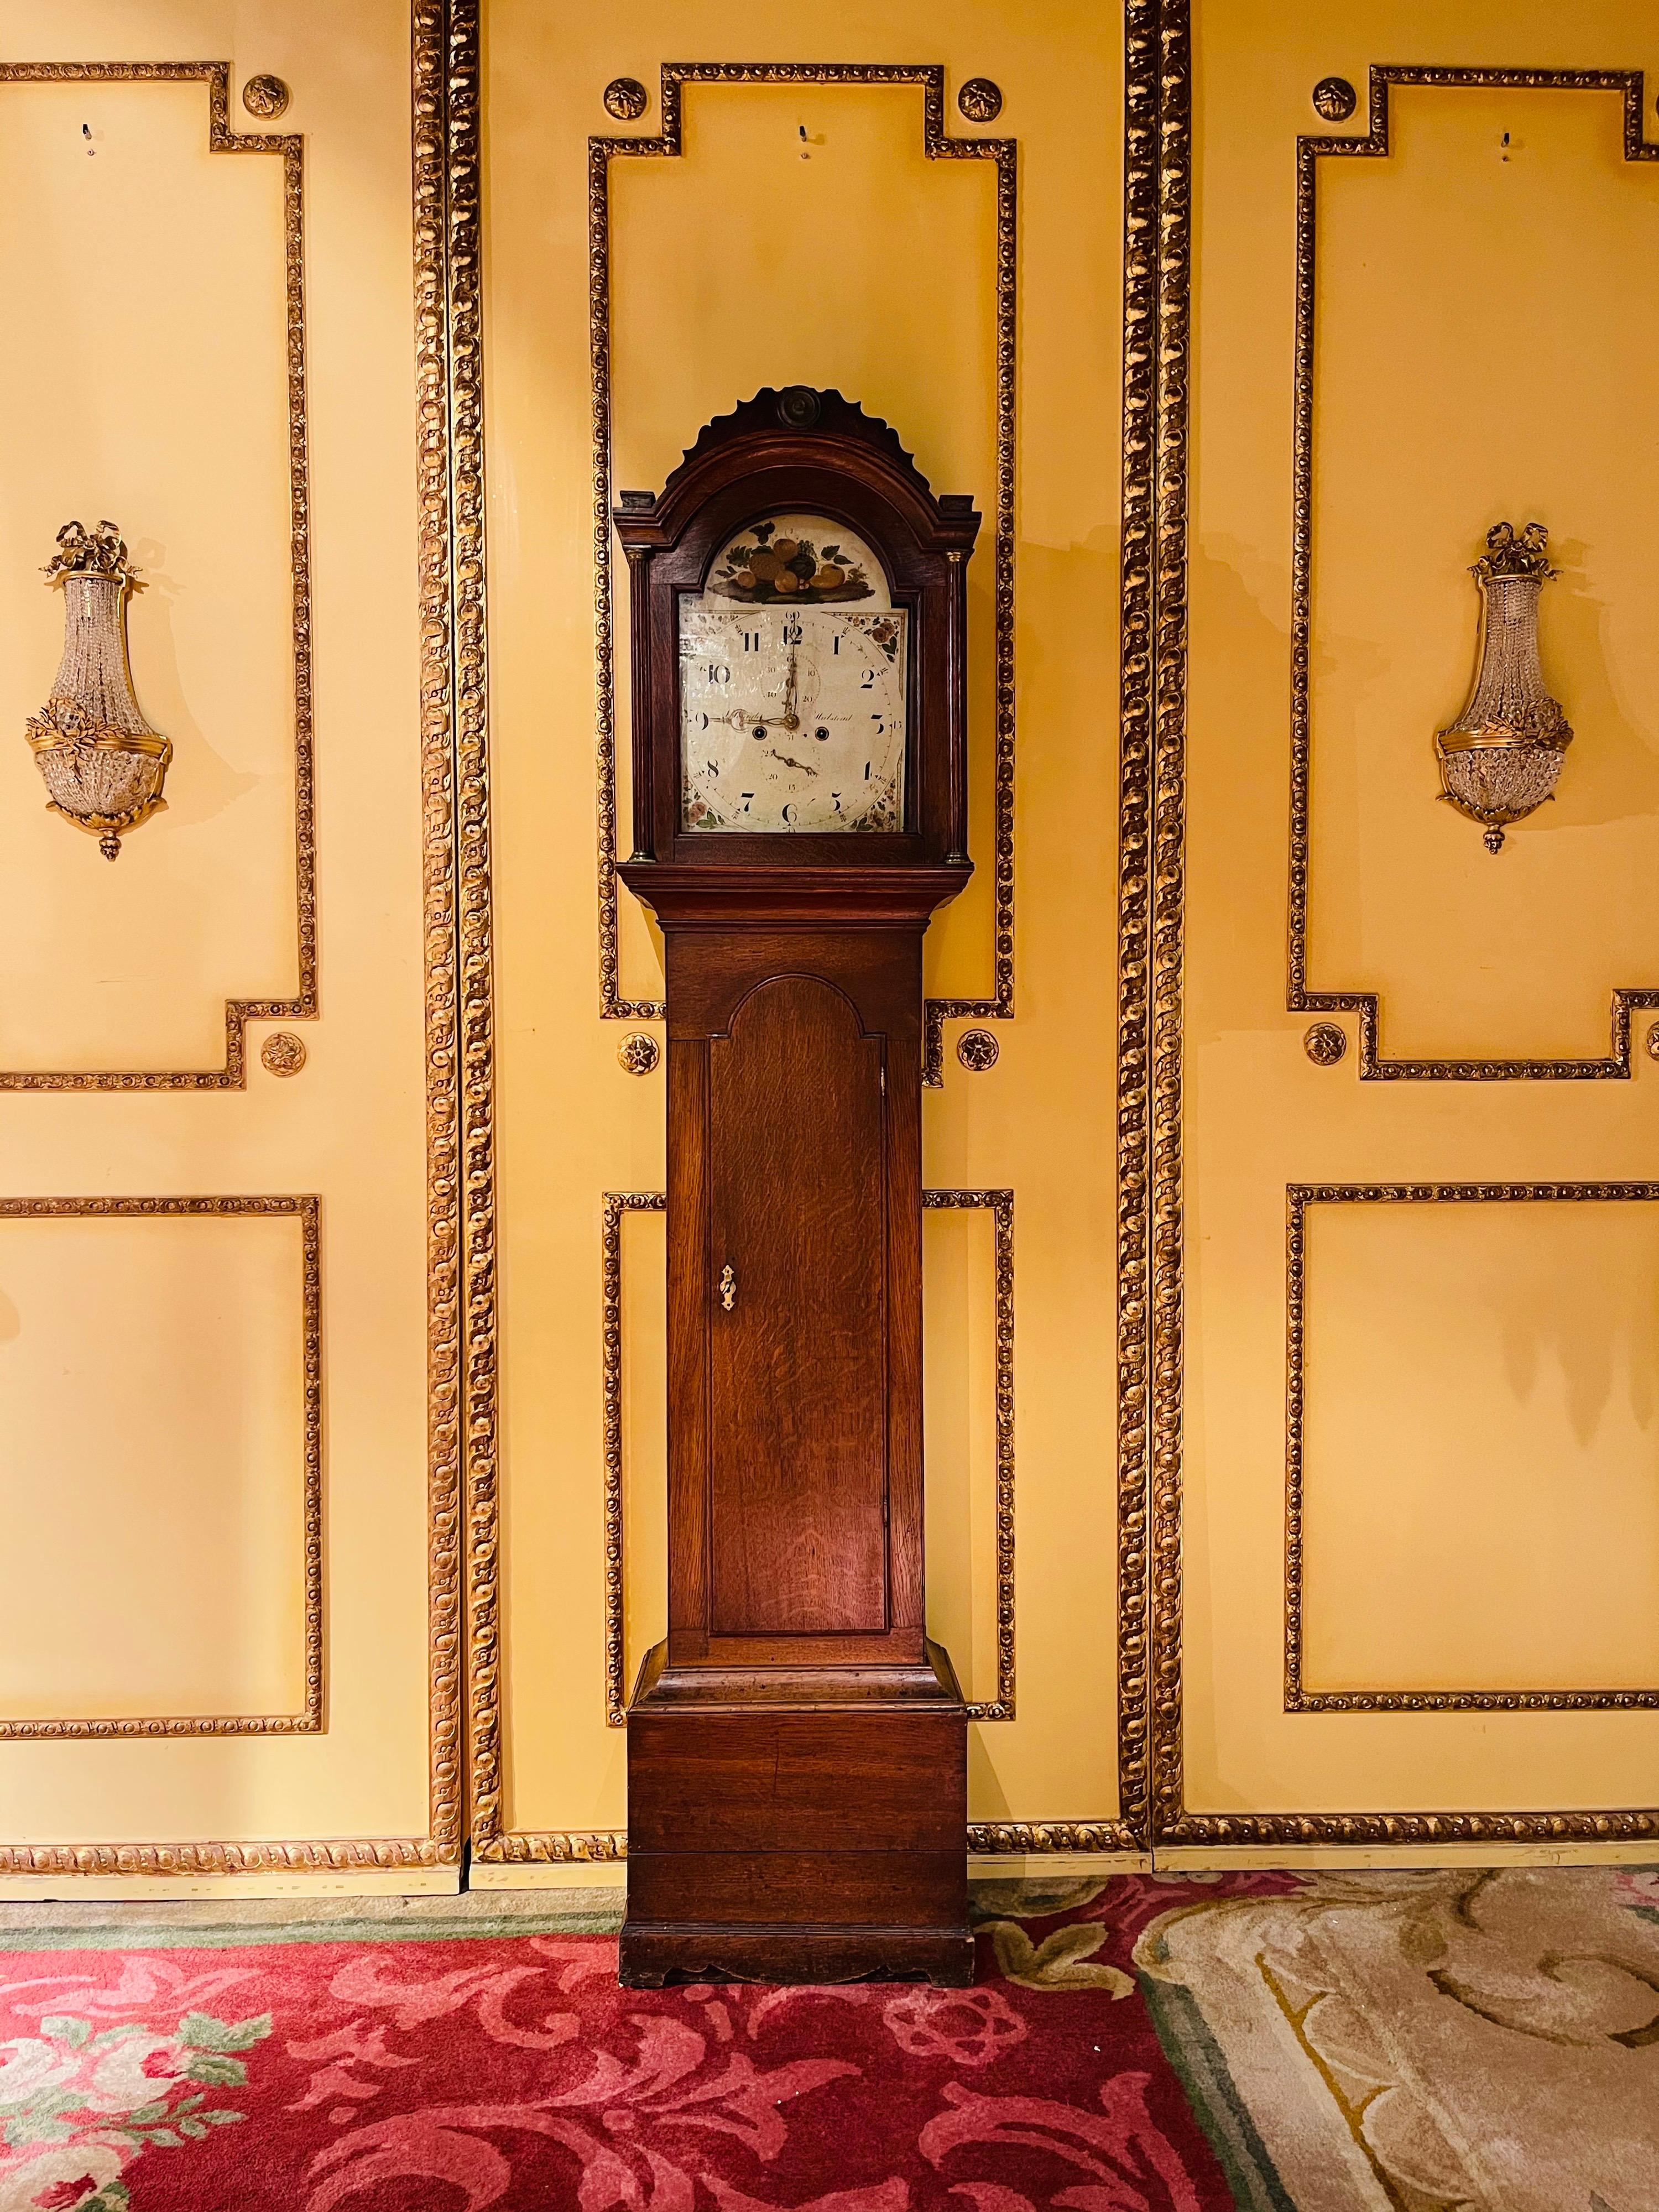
[1478,1493]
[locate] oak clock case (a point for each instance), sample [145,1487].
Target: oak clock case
[796,1746]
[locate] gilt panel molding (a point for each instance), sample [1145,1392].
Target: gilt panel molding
[1000,1206]
[1152,814]
[1365,1004]
[553,1847]
[939,145]
[617,1203]
[321,1857]
[308,1721]
[455,902]
[1047,1839]
[290,149]
[1297,1698]
[1615,1826]
[995,1839]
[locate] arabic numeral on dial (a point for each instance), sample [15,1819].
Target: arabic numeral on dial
[835,642]
[751,641]
[867,681]
[719,672]
[793,633]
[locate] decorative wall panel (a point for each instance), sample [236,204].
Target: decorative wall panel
[182,373]
[185,276]
[630,292]
[178,1341]
[938,145]
[1426,1656]
[1529,1514]
[1556,198]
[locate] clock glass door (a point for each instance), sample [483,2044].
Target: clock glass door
[792,676]
[797,1265]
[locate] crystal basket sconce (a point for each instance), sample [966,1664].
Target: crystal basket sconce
[101,761]
[1501,758]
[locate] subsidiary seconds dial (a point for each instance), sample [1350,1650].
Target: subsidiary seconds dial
[792,667]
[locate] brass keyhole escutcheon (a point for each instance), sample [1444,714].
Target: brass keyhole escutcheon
[728,1287]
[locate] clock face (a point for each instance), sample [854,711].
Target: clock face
[793,691]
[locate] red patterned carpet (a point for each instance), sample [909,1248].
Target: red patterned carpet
[422,2072]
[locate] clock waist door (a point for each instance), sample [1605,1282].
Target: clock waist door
[797,1400]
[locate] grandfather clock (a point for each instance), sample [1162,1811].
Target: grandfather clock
[796,1802]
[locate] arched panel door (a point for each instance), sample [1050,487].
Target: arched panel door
[797,1365]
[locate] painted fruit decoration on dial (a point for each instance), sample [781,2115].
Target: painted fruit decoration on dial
[793,683]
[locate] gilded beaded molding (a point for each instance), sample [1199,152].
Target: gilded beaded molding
[1298,1699]
[324,1857]
[455,890]
[1038,1839]
[308,1721]
[617,1204]
[1157,92]
[289,147]
[995,1839]
[1311,151]
[939,145]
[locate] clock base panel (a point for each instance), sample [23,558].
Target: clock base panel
[769,1841]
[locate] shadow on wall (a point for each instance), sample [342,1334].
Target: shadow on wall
[1611,771]
[1599,1353]
[1239,775]
[201,783]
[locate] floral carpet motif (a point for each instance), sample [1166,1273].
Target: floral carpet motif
[456,2074]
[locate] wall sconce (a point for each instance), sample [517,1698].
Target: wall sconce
[101,761]
[1501,758]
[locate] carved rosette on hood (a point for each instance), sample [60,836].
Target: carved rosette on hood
[102,763]
[1501,758]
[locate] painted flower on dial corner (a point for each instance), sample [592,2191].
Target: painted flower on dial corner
[1638,1887]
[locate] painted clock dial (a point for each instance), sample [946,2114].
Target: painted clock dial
[793,684]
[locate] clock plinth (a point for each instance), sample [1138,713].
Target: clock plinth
[797,1825]
[796,1746]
